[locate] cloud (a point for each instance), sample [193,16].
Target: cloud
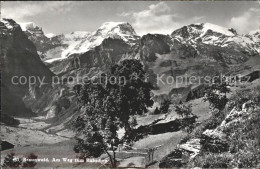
[125,14]
[158,18]
[26,9]
[246,22]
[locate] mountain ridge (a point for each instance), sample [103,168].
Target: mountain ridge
[61,46]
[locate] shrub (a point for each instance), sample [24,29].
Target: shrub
[243,135]
[156,111]
[216,94]
[89,150]
[165,106]
[30,164]
[11,162]
[211,160]
[242,96]
[184,110]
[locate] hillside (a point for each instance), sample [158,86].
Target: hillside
[42,116]
[18,57]
[227,139]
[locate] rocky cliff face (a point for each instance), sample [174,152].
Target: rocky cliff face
[19,59]
[109,52]
[62,46]
[39,39]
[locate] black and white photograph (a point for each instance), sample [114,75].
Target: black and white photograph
[130,84]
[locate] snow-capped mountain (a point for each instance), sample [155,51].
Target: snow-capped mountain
[57,47]
[216,35]
[200,39]
[255,33]
[255,36]
[31,28]
[115,30]
[67,43]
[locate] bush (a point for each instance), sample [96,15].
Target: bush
[165,106]
[30,164]
[184,110]
[156,111]
[89,151]
[11,162]
[245,95]
[216,94]
[243,135]
[210,160]
[172,160]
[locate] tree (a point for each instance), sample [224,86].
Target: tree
[157,111]
[30,164]
[189,119]
[96,135]
[109,106]
[184,110]
[134,96]
[165,106]
[11,161]
[216,93]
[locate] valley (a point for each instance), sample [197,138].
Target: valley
[41,119]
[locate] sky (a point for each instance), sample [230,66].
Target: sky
[145,16]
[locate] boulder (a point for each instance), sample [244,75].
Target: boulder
[192,146]
[174,159]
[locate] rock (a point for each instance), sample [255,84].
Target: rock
[5,145]
[212,144]
[251,76]
[192,146]
[52,112]
[174,159]
[19,59]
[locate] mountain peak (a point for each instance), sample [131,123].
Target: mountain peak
[217,29]
[112,28]
[203,29]
[26,25]
[8,23]
[81,42]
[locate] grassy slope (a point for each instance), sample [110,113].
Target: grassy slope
[168,141]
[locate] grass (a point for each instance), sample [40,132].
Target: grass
[243,135]
[170,140]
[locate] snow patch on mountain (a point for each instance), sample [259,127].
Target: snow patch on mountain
[76,35]
[255,32]
[211,34]
[216,28]
[7,23]
[50,35]
[116,30]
